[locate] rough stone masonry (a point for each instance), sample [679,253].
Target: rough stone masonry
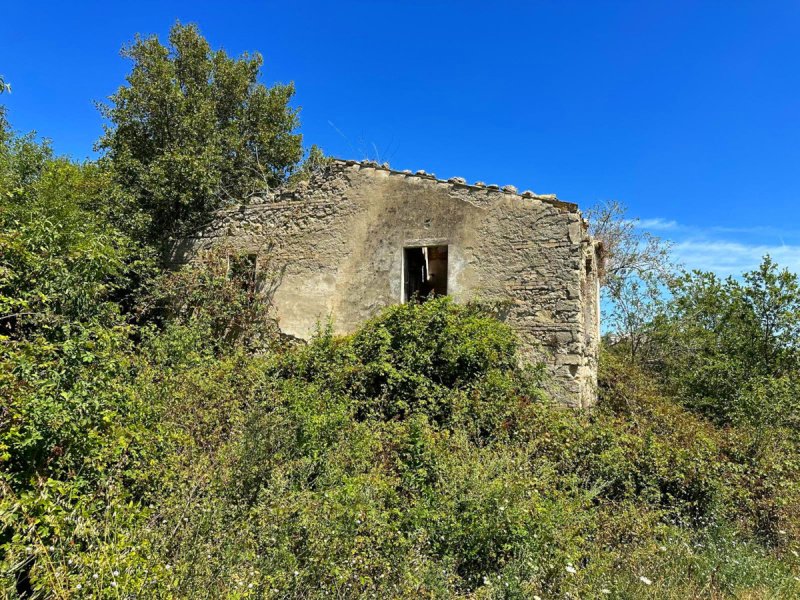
[359,236]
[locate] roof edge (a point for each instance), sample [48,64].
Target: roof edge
[551,199]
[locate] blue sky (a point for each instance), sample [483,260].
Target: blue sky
[688,112]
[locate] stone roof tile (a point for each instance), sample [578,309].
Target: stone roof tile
[508,189]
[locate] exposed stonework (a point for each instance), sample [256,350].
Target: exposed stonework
[338,242]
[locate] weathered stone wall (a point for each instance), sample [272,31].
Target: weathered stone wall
[337,244]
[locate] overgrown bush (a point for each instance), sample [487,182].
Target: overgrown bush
[326,470]
[433,358]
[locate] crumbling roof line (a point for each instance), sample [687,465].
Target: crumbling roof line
[460,182]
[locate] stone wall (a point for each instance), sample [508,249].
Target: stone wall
[336,246]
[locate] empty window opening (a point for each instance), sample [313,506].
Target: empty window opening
[242,270]
[425,272]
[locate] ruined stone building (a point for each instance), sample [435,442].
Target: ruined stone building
[358,237]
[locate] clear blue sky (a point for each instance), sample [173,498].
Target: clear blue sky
[688,112]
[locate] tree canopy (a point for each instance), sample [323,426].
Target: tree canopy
[193,128]
[730,348]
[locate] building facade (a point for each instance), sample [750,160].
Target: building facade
[358,237]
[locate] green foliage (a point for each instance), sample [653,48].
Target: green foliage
[314,162]
[66,276]
[60,260]
[217,300]
[429,358]
[328,468]
[193,129]
[725,347]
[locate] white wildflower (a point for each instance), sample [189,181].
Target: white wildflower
[79,587]
[645,580]
[113,584]
[572,570]
[115,573]
[95,576]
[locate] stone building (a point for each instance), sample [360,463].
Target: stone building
[359,236]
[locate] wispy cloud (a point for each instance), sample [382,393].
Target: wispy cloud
[658,224]
[733,258]
[727,250]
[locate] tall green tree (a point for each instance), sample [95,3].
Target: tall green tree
[729,348]
[193,128]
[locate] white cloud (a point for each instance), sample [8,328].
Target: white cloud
[727,250]
[658,224]
[726,257]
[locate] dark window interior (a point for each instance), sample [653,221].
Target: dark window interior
[425,272]
[242,269]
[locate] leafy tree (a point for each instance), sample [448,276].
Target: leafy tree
[66,273]
[61,260]
[193,129]
[721,342]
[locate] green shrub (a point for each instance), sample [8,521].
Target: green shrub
[324,469]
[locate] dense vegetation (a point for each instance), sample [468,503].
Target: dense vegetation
[193,129]
[158,438]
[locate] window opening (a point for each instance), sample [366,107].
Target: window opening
[425,272]
[242,269]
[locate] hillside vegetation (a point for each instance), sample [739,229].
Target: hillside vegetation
[160,439]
